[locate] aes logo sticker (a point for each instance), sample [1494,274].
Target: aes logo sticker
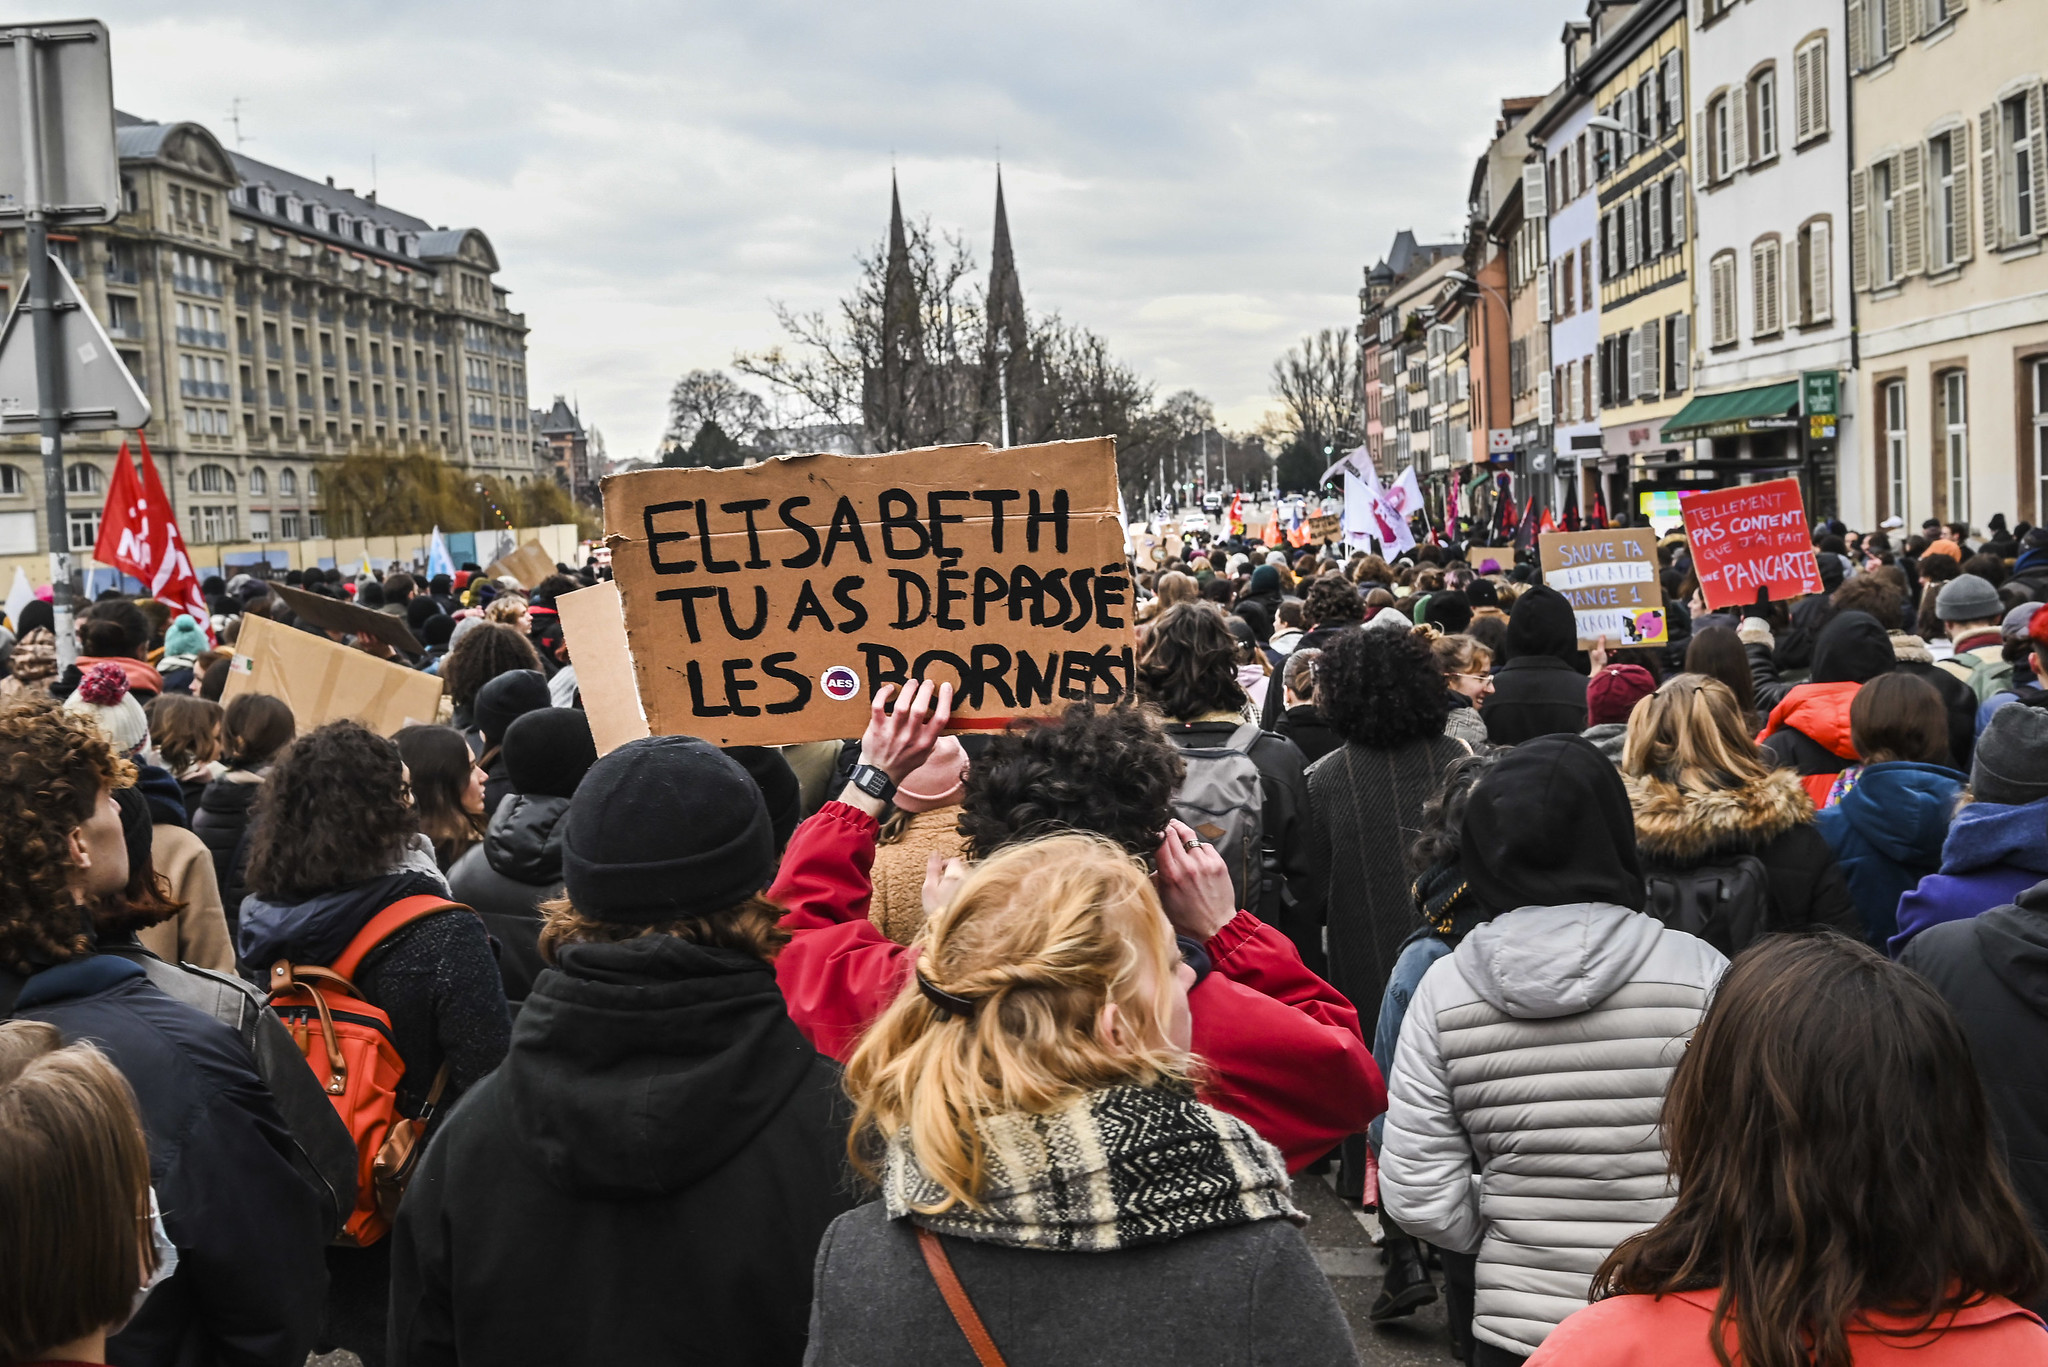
[839,683]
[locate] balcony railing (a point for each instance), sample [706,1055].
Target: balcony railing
[204,389]
[192,284]
[277,398]
[203,337]
[120,275]
[274,350]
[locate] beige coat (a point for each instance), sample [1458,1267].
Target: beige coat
[198,934]
[898,906]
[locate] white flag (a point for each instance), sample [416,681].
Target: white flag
[20,596]
[438,559]
[1404,496]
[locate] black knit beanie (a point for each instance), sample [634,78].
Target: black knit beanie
[665,829]
[1550,825]
[507,698]
[548,751]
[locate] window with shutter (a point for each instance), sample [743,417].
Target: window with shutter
[1700,155]
[1738,129]
[1544,415]
[1759,292]
[1791,283]
[1631,358]
[1533,199]
[1681,352]
[1678,193]
[1656,223]
[1647,338]
[1543,295]
[1674,92]
[1912,216]
[2037,154]
[1959,162]
[1802,95]
[1990,192]
[1628,234]
[1894,26]
[1821,273]
[1586,294]
[1855,27]
[1766,126]
[1859,230]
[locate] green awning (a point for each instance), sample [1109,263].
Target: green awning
[1736,412]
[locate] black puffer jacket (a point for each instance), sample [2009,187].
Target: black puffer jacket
[661,1148]
[248,1227]
[1993,970]
[1539,691]
[506,878]
[222,821]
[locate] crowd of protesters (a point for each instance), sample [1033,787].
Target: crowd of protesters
[1666,1003]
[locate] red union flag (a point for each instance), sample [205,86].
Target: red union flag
[139,537]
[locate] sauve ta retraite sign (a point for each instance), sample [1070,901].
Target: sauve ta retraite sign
[768,604]
[1751,537]
[1610,579]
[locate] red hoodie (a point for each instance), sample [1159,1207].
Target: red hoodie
[1671,1331]
[1283,1048]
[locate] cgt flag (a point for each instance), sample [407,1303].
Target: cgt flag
[139,537]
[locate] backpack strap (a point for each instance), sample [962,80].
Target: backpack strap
[384,925]
[1243,738]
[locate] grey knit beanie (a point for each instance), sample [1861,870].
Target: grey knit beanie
[2011,764]
[1969,598]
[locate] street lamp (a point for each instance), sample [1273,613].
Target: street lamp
[1611,125]
[1461,278]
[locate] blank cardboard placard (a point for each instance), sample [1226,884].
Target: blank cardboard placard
[324,681]
[766,605]
[528,565]
[1610,579]
[594,620]
[1750,537]
[336,615]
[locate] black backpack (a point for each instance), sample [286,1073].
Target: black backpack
[1727,904]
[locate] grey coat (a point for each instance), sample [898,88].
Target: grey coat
[1522,1121]
[1245,1295]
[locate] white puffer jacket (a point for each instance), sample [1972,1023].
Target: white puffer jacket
[1522,1116]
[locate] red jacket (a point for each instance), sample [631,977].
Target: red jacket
[1671,1331]
[1282,1046]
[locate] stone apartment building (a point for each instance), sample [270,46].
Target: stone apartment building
[1949,277]
[1771,133]
[277,324]
[1562,133]
[1381,342]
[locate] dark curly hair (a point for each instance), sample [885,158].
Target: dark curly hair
[1443,812]
[1381,688]
[1332,602]
[1111,771]
[333,812]
[53,767]
[484,652]
[1189,664]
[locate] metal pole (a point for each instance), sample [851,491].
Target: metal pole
[42,318]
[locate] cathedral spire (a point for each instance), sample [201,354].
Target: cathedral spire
[1006,319]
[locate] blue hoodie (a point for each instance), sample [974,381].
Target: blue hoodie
[1887,835]
[1994,852]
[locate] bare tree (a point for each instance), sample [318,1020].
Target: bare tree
[712,396]
[1318,386]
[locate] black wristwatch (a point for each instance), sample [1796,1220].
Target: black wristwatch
[873,782]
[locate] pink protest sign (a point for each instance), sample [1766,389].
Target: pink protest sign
[1751,537]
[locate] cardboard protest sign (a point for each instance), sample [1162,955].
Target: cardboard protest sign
[324,681]
[594,620]
[1750,537]
[1502,558]
[1324,528]
[767,604]
[527,566]
[1610,579]
[335,615]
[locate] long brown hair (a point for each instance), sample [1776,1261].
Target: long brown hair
[1834,1155]
[1188,666]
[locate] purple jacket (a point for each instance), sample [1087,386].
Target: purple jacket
[1993,853]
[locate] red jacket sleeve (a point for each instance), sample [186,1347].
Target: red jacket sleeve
[1283,1047]
[838,971]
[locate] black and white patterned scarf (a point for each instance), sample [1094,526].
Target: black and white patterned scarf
[1115,1169]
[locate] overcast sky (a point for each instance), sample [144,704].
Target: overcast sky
[1200,182]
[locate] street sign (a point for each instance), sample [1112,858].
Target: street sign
[71,81]
[1500,441]
[1820,393]
[95,390]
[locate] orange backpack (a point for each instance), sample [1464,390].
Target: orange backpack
[347,1043]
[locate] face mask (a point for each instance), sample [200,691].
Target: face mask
[166,1262]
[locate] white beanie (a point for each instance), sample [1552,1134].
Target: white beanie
[102,694]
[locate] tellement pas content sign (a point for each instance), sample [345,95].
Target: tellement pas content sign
[1610,579]
[1751,537]
[766,605]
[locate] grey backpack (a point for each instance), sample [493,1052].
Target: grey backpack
[1223,798]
